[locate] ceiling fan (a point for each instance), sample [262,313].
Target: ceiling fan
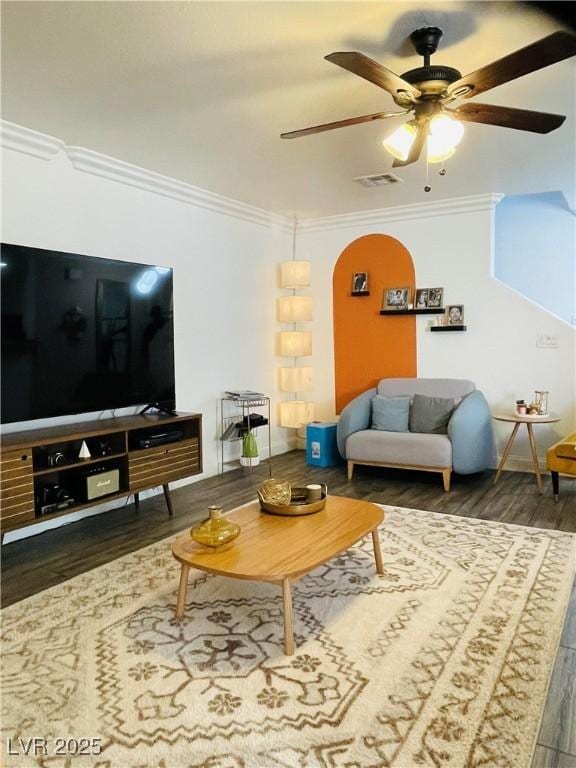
[426,92]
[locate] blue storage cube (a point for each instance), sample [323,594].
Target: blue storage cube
[321,445]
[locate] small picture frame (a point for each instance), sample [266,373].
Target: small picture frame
[396,298]
[360,283]
[435,298]
[421,300]
[454,314]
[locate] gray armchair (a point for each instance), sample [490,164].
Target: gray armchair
[467,447]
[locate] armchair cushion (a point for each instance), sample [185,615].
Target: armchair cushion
[430,415]
[390,413]
[399,448]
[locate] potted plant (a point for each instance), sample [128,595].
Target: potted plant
[249,456]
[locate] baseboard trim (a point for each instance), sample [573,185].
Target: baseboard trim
[523,464]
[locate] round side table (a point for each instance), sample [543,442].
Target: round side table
[529,421]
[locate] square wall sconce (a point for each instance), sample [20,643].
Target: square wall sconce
[294,309]
[295,343]
[296,413]
[295,274]
[296,379]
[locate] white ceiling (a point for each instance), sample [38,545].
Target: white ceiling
[200,91]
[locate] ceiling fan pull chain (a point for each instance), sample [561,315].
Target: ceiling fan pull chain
[427,187]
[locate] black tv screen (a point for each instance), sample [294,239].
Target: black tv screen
[82,334]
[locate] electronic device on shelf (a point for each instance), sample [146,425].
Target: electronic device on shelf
[160,438]
[52,497]
[100,480]
[101,448]
[56,459]
[102,340]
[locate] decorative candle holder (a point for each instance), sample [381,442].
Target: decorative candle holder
[541,401]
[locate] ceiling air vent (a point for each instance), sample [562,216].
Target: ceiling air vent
[378,179]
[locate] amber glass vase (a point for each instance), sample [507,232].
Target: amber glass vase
[216,531]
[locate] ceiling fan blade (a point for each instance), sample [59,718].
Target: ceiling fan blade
[401,90]
[339,124]
[507,117]
[549,50]
[415,149]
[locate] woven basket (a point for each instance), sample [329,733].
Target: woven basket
[275,492]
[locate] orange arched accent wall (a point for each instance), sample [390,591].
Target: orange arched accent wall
[369,346]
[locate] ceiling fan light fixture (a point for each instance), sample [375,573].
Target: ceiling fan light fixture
[400,142]
[444,136]
[426,90]
[437,154]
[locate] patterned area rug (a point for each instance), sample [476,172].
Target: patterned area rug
[442,661]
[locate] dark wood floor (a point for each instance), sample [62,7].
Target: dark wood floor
[39,562]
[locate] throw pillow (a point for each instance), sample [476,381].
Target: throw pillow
[390,413]
[430,415]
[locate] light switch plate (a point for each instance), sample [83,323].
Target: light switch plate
[547,341]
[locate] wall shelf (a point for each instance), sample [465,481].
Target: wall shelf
[444,328]
[438,311]
[360,293]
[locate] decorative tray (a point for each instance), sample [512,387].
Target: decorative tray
[299,505]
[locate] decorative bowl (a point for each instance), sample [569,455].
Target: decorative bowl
[298,505]
[274,491]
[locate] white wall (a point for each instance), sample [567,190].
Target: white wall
[225,258]
[535,250]
[452,246]
[225,274]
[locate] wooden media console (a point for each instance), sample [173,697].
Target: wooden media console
[35,463]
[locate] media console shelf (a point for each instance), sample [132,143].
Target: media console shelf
[124,450]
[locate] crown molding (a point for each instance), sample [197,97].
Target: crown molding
[40,145]
[88,161]
[30,142]
[376,217]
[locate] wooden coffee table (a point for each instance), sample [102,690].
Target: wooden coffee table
[282,549]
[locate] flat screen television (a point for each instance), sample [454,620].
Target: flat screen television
[83,334]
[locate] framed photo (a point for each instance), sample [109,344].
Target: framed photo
[396,298]
[422,295]
[455,314]
[360,282]
[435,298]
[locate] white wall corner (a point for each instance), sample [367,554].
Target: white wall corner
[376,217]
[29,142]
[569,323]
[88,161]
